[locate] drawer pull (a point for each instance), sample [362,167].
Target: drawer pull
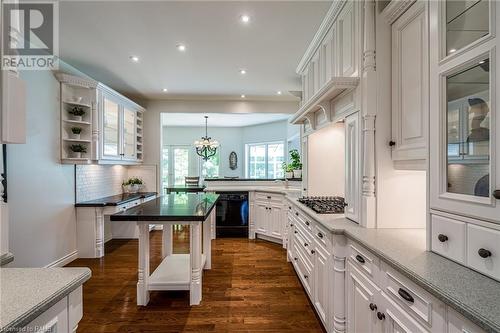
[483,253]
[306,276]
[313,252]
[268,197]
[306,245]
[392,143]
[442,238]
[289,207]
[360,259]
[291,224]
[307,222]
[373,307]
[496,194]
[405,295]
[295,232]
[380,316]
[320,235]
[295,258]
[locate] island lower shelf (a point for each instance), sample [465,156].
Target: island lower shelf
[173,273]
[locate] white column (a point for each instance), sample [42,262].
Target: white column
[195,261]
[167,241]
[369,102]
[251,215]
[143,274]
[207,240]
[99,232]
[339,301]
[213,220]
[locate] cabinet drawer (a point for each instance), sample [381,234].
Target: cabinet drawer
[415,301]
[458,324]
[55,319]
[448,238]
[483,250]
[304,248]
[364,261]
[323,237]
[306,234]
[303,271]
[304,221]
[263,196]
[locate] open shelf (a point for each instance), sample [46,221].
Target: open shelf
[76,122]
[84,105]
[173,273]
[77,140]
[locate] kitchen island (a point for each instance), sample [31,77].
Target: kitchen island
[176,271]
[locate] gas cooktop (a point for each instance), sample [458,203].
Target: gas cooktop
[325,205]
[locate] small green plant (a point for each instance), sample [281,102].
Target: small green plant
[77,111]
[287,167]
[78,148]
[133,181]
[295,160]
[76,130]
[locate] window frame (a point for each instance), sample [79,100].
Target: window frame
[266,144]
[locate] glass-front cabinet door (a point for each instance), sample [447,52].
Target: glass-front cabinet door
[464,129]
[129,134]
[110,128]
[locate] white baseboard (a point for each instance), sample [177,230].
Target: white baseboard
[64,260]
[269,238]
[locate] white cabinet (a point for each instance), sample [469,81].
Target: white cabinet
[395,320]
[352,167]
[120,128]
[269,215]
[322,283]
[410,85]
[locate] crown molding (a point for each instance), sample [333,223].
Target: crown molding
[395,9]
[326,24]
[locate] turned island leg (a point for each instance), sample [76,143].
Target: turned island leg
[195,261]
[167,241]
[142,284]
[207,241]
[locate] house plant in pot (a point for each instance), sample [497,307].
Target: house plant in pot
[288,170]
[133,185]
[77,150]
[75,132]
[295,164]
[77,113]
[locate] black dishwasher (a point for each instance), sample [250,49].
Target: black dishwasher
[232,214]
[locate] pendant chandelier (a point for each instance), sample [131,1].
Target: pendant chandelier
[206,147]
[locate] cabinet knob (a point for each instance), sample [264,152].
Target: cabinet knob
[295,258]
[289,207]
[306,276]
[373,307]
[295,231]
[307,222]
[483,253]
[380,316]
[306,245]
[442,238]
[320,235]
[297,214]
[313,252]
[291,224]
[268,197]
[360,259]
[392,143]
[496,194]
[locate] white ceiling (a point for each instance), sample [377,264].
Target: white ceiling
[220,119]
[98,37]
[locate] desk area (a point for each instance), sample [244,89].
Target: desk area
[176,271]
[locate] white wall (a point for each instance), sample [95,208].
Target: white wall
[326,161]
[41,190]
[275,131]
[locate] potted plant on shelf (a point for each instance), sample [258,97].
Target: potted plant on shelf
[133,185]
[77,150]
[77,113]
[295,164]
[288,170]
[75,132]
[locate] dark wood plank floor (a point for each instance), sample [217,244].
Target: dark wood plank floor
[250,288]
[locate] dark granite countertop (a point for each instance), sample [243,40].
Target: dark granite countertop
[171,207]
[115,200]
[250,179]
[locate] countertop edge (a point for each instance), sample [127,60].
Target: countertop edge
[108,204]
[6,258]
[436,291]
[37,310]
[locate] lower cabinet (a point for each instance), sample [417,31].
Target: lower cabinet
[62,317]
[269,216]
[322,277]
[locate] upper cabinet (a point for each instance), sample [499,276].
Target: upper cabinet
[464,125]
[410,87]
[330,67]
[98,125]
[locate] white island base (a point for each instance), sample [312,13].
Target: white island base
[176,271]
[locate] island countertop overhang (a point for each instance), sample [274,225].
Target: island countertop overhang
[171,207]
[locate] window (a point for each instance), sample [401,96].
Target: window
[210,168]
[264,160]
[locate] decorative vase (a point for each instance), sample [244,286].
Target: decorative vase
[133,188]
[76,154]
[75,136]
[289,174]
[297,173]
[77,118]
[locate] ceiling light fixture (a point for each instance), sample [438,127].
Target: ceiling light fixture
[453,50]
[243,71]
[243,96]
[244,18]
[181,47]
[206,147]
[134,58]
[279,92]
[164,90]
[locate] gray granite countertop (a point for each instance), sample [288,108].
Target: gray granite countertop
[25,293]
[472,294]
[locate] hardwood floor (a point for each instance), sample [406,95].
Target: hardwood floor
[250,288]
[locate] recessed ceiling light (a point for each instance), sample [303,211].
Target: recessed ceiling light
[164,90]
[181,47]
[453,50]
[279,92]
[243,96]
[243,71]
[134,58]
[244,18]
